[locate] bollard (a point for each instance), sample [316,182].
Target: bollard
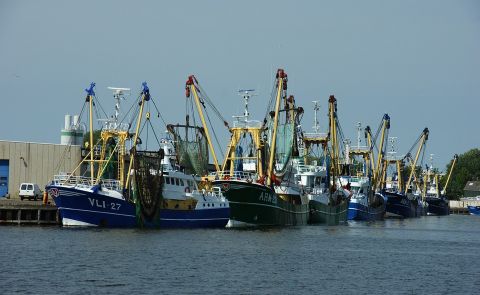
[45,198]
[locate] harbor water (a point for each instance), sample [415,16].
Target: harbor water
[428,255]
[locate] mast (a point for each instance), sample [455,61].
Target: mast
[368,138]
[332,109]
[191,86]
[455,158]
[385,128]
[90,95]
[145,97]
[281,79]
[424,138]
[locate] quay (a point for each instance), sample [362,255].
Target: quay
[28,213]
[460,207]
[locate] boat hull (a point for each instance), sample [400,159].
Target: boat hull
[358,211]
[82,208]
[474,210]
[401,206]
[204,218]
[438,206]
[258,205]
[321,213]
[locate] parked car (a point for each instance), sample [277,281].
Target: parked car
[30,191]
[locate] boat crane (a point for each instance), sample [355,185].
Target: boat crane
[455,158]
[423,139]
[192,87]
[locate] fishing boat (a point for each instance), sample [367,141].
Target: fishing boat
[326,206]
[438,203]
[328,201]
[402,199]
[257,176]
[96,200]
[364,203]
[182,204]
[156,193]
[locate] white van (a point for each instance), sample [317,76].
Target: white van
[29,191]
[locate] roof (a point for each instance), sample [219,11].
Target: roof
[472,186]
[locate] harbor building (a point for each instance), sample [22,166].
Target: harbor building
[471,189]
[31,162]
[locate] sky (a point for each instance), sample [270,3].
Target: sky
[418,61]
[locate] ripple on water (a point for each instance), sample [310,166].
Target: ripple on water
[414,256]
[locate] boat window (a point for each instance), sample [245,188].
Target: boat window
[167,180]
[181,182]
[177,182]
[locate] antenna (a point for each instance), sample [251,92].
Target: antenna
[392,150]
[118,95]
[316,108]
[359,132]
[246,93]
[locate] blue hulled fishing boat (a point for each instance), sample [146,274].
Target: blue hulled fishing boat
[97,200]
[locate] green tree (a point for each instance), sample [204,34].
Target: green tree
[467,168]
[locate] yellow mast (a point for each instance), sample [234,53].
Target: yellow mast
[371,161]
[89,98]
[455,158]
[191,84]
[145,97]
[385,127]
[333,134]
[412,170]
[400,173]
[280,79]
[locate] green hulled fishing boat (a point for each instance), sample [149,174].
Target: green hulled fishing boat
[328,201]
[257,178]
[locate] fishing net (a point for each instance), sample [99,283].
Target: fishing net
[148,184]
[192,149]
[283,147]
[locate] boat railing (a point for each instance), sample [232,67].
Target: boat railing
[213,192]
[309,168]
[315,135]
[83,181]
[238,175]
[239,123]
[314,190]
